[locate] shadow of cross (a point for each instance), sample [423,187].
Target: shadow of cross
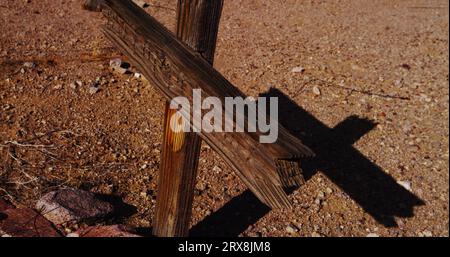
[362,180]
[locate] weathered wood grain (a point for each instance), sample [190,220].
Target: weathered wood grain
[175,69]
[197,26]
[176,182]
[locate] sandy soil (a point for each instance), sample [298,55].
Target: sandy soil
[379,124]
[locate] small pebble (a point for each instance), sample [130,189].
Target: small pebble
[427,234]
[217,169]
[141,3]
[405,184]
[320,195]
[315,234]
[119,66]
[29,65]
[316,91]
[298,70]
[201,186]
[291,229]
[115,63]
[93,90]
[318,201]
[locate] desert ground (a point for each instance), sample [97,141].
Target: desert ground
[363,83]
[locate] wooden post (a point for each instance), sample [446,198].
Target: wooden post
[197,26]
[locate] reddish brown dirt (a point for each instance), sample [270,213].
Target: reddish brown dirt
[383,61]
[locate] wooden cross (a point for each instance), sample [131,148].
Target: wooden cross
[177,66]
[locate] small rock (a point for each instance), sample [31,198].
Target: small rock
[115,63]
[29,65]
[73,41]
[329,190]
[201,186]
[406,66]
[58,87]
[405,184]
[291,229]
[93,90]
[119,66]
[26,223]
[398,82]
[137,75]
[141,3]
[105,231]
[79,83]
[298,70]
[316,91]
[72,206]
[373,235]
[217,169]
[318,201]
[315,234]
[321,195]
[73,85]
[427,234]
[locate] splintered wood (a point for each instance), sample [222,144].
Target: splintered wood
[176,70]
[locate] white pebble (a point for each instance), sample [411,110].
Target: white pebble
[405,184]
[316,90]
[298,70]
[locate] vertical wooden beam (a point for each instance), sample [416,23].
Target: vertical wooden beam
[197,26]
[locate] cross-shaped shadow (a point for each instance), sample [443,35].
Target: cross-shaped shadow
[365,182]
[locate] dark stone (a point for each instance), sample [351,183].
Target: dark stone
[70,206]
